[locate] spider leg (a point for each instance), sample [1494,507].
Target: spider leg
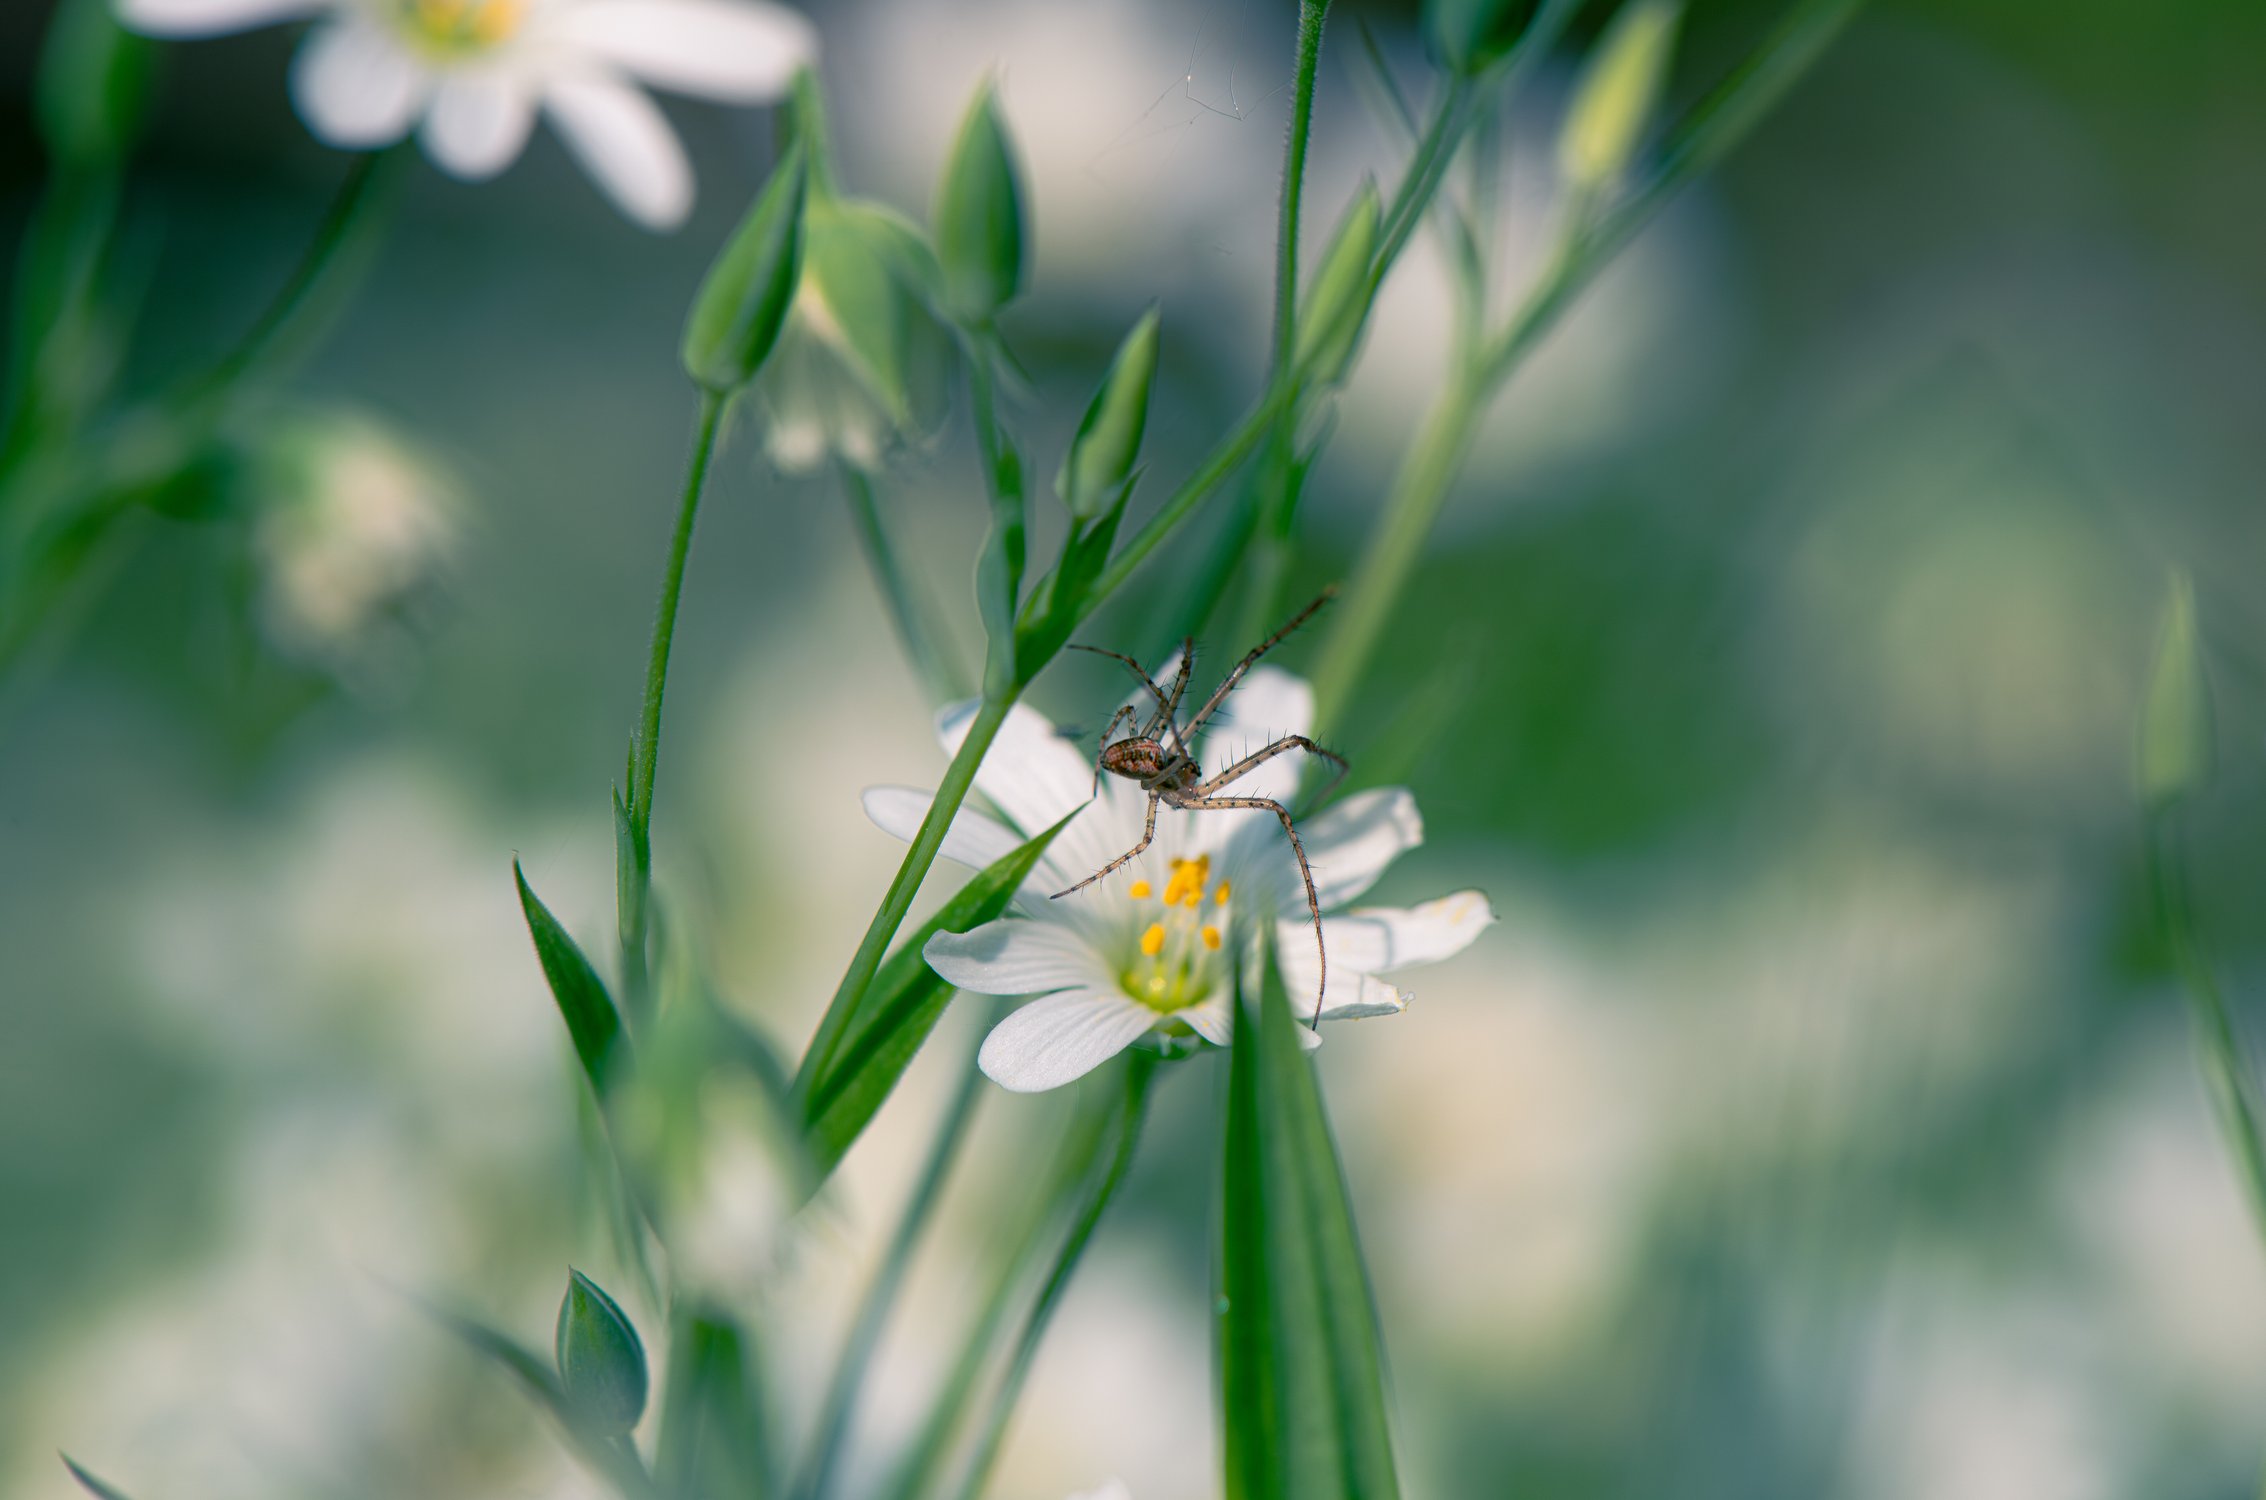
[1165,705]
[1108,729]
[1227,685]
[1167,716]
[1265,753]
[1198,803]
[1148,832]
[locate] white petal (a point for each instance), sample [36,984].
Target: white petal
[210,17]
[1350,844]
[1351,994]
[1380,939]
[973,839]
[1016,957]
[479,123]
[1211,1020]
[734,50]
[1051,1041]
[356,86]
[1034,776]
[1268,705]
[619,136]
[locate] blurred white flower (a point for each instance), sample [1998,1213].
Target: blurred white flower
[1114,1490]
[470,75]
[355,526]
[1147,951]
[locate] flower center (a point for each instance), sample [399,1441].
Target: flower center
[460,28]
[1176,960]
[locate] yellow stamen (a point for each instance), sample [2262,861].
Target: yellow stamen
[1221,898]
[1212,938]
[1140,890]
[1152,941]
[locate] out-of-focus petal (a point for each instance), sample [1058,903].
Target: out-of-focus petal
[1380,939]
[1017,957]
[1054,1040]
[739,51]
[1268,705]
[1350,844]
[1034,776]
[187,18]
[1352,994]
[479,123]
[356,86]
[1211,1020]
[620,138]
[973,839]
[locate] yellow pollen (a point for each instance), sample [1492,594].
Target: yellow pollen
[1152,941]
[1140,890]
[1221,898]
[1212,938]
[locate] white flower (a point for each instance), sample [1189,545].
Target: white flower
[1146,951]
[475,72]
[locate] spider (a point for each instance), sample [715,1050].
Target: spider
[1156,755]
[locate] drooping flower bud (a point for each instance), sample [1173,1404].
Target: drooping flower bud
[2175,722]
[1101,456]
[742,303]
[601,1362]
[979,215]
[1618,89]
[1336,305]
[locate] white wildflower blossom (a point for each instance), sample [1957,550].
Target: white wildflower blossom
[1145,954]
[470,76]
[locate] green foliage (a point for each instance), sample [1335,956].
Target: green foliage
[1099,464]
[715,1438]
[601,1362]
[92,1485]
[1618,91]
[2175,724]
[1470,34]
[1336,309]
[591,1020]
[898,1011]
[980,235]
[92,87]
[1301,1367]
[742,304]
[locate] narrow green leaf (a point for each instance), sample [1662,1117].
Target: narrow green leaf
[714,1440]
[1337,306]
[1470,34]
[89,1483]
[601,1361]
[2175,723]
[1100,460]
[742,302]
[633,884]
[902,1006]
[979,215]
[92,88]
[591,1019]
[1301,1366]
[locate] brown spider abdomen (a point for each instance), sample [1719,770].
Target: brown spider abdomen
[1136,760]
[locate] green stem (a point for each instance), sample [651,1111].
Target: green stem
[1310,17]
[1398,541]
[345,224]
[1140,1068]
[665,616]
[2217,1047]
[881,1294]
[918,630]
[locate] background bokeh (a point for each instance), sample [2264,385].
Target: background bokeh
[1818,1121]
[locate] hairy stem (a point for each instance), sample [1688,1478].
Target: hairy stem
[1310,17]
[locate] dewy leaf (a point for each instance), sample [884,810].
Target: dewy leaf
[901,1007]
[601,1362]
[1100,460]
[1301,1368]
[1338,305]
[713,1436]
[1614,100]
[742,303]
[89,1483]
[591,1019]
[2175,723]
[979,215]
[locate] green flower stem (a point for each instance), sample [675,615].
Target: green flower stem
[645,749]
[1310,17]
[1140,1070]
[2234,1091]
[919,631]
[881,1293]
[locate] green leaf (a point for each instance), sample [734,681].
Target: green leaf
[1301,1366]
[2175,723]
[89,1483]
[1338,304]
[901,1007]
[979,215]
[93,85]
[633,883]
[714,1439]
[742,303]
[591,1019]
[601,1361]
[1470,34]
[1100,460]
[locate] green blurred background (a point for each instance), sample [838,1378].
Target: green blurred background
[1819,1120]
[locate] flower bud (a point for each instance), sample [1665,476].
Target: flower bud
[2175,723]
[979,215]
[1109,435]
[743,301]
[1338,301]
[601,1362]
[1618,90]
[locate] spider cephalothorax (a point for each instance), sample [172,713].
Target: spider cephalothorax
[1156,755]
